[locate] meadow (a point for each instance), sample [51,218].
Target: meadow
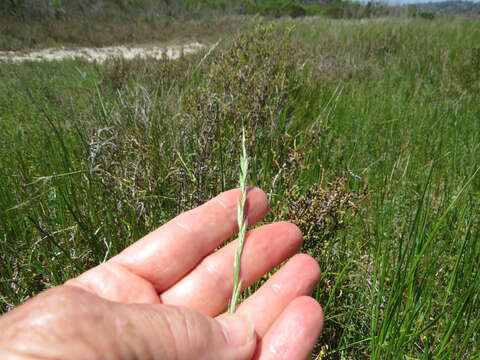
[365,133]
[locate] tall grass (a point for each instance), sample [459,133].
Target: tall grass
[363,133]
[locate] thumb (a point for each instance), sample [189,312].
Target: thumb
[170,332]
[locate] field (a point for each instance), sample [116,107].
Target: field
[365,133]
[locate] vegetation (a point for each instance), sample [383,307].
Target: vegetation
[151,9]
[242,229]
[27,24]
[21,35]
[364,133]
[146,10]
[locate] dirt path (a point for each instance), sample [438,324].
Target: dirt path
[101,54]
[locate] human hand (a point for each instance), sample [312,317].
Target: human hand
[163,297]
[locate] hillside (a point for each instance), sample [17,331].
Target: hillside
[454,7]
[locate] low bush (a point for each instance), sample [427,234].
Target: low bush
[428,15]
[277,9]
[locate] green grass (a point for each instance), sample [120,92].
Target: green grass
[366,134]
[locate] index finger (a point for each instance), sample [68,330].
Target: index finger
[167,254]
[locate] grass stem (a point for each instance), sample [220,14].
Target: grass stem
[242,229]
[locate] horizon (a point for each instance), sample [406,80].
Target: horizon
[407,2]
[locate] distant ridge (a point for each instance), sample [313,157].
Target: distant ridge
[451,7]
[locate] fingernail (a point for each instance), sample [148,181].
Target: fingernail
[238,329]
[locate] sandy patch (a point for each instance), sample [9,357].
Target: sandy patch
[101,54]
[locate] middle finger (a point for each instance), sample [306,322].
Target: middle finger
[208,287]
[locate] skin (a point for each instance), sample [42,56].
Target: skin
[164,296]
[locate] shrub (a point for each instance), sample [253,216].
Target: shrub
[248,83]
[335,11]
[278,8]
[427,15]
[321,212]
[295,10]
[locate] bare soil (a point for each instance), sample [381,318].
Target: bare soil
[101,54]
